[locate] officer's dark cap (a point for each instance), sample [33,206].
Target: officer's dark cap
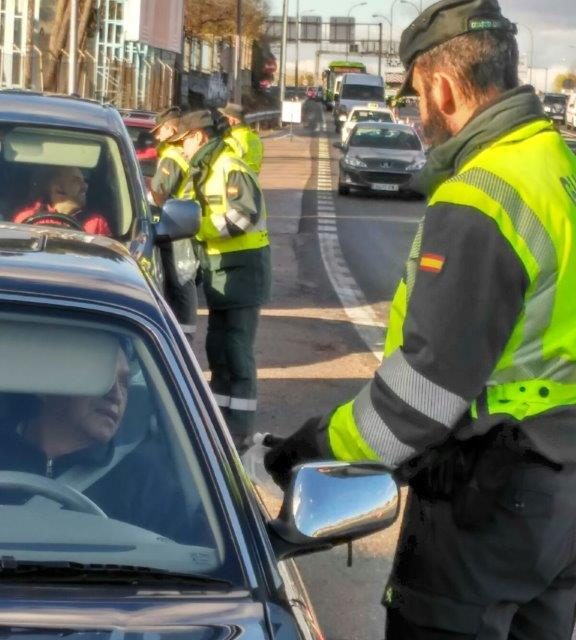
[192,121]
[168,115]
[443,21]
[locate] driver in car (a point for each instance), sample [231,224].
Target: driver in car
[72,440]
[61,191]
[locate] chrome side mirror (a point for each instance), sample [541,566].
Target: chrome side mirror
[331,503]
[179,219]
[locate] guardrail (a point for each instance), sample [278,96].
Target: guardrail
[263,119]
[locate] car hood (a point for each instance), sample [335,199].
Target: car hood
[369,153]
[121,613]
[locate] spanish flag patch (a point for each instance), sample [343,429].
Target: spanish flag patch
[431,262]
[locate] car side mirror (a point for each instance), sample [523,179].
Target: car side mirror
[329,503]
[179,219]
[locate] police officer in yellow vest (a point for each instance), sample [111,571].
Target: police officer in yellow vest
[241,138]
[475,402]
[235,260]
[178,258]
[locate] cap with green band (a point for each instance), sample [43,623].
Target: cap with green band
[443,21]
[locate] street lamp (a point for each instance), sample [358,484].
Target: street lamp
[531,49]
[419,11]
[298,37]
[379,15]
[354,6]
[283,43]
[392,24]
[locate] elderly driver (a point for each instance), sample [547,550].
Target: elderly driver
[78,432]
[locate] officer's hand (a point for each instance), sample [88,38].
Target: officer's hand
[296,449]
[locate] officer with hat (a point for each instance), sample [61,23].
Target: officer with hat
[235,261]
[241,138]
[178,258]
[474,404]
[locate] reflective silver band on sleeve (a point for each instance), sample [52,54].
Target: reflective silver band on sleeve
[243,404]
[423,395]
[391,451]
[238,219]
[221,400]
[219,221]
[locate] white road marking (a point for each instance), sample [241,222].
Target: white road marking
[364,317]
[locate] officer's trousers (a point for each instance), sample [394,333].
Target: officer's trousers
[230,350]
[511,577]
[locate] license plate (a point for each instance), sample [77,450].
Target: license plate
[386,187]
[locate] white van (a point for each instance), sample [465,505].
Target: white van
[358,90]
[571,112]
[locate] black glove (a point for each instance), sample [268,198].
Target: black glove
[302,446]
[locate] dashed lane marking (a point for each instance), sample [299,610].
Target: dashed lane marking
[363,316]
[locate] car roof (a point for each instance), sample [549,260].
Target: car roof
[385,125]
[38,261]
[135,121]
[30,108]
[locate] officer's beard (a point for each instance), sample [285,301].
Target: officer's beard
[435,128]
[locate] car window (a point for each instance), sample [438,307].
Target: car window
[372,116]
[361,92]
[29,156]
[97,465]
[384,138]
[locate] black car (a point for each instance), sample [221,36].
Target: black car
[125,509]
[40,132]
[555,106]
[380,157]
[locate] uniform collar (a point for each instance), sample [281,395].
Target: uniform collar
[509,111]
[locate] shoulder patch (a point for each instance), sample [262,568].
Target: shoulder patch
[431,262]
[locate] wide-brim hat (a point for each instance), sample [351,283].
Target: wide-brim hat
[191,121]
[168,115]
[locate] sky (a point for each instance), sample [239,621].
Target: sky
[552,22]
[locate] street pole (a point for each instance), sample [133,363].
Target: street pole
[348,26]
[282,83]
[392,25]
[238,55]
[531,55]
[72,46]
[380,49]
[296,82]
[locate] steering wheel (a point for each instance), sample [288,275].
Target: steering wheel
[51,489]
[61,218]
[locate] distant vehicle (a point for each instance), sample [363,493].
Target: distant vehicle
[333,73]
[372,113]
[357,90]
[555,106]
[295,93]
[380,157]
[140,125]
[571,111]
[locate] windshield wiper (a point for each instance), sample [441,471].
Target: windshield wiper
[75,572]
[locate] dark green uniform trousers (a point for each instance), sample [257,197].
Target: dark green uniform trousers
[230,350]
[512,576]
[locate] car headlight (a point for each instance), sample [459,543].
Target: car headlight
[352,161]
[416,166]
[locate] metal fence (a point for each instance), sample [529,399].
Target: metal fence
[138,84]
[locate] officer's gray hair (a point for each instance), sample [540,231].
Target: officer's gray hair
[480,62]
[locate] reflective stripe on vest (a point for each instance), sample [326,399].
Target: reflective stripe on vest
[213,229]
[537,370]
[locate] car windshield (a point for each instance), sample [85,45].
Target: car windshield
[99,462]
[555,100]
[35,161]
[400,139]
[361,92]
[372,116]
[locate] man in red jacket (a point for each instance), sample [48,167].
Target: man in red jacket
[62,190]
